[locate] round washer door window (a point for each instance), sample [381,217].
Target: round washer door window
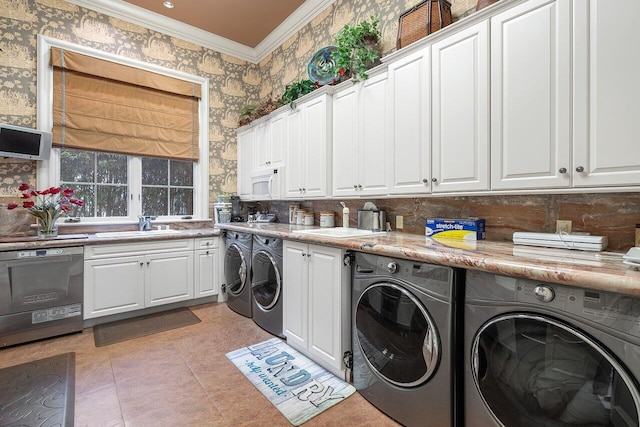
[235,270]
[396,335]
[265,282]
[533,370]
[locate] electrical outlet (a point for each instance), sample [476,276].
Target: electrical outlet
[563,226]
[399,222]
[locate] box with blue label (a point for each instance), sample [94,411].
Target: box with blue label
[459,229]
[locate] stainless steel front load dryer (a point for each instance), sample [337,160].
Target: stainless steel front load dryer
[237,271]
[266,284]
[403,338]
[541,354]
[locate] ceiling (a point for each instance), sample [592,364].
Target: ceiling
[247,29]
[247,22]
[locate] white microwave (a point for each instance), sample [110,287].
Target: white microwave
[268,186]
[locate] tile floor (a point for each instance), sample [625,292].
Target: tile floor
[178,378]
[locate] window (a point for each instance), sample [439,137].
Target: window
[120,186]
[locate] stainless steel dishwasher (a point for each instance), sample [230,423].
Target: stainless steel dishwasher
[41,293]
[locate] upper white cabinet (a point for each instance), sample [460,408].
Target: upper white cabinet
[606,103]
[530,95]
[360,135]
[245,162]
[309,149]
[269,145]
[460,111]
[410,119]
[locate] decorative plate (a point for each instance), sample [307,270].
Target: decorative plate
[320,67]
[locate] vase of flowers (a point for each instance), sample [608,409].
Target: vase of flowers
[46,206]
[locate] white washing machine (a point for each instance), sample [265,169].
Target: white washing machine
[237,271]
[539,354]
[266,284]
[403,339]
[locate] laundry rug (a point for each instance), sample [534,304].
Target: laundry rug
[39,393]
[295,385]
[123,330]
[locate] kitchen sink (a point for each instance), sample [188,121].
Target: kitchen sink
[135,233]
[341,233]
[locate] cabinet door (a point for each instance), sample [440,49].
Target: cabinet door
[345,141]
[207,272]
[113,285]
[262,146]
[295,294]
[410,117]
[530,95]
[373,136]
[245,163]
[325,306]
[277,138]
[295,149]
[606,93]
[316,133]
[460,111]
[169,278]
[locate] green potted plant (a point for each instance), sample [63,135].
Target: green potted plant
[246,114]
[295,90]
[356,49]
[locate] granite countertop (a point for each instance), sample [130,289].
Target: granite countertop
[595,270]
[33,242]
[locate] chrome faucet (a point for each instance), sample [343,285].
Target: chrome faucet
[144,222]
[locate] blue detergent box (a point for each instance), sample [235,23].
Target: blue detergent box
[458,229]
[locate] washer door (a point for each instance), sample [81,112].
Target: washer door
[235,270]
[266,284]
[396,335]
[533,370]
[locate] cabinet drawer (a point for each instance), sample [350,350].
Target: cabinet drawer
[124,249]
[207,242]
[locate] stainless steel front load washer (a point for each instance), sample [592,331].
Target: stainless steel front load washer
[540,354]
[237,271]
[266,284]
[403,338]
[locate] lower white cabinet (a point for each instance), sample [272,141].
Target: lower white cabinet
[124,277]
[317,303]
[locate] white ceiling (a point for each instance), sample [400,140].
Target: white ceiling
[247,29]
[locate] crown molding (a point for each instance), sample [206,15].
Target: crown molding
[154,21]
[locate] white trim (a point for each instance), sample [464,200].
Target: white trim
[154,21]
[48,172]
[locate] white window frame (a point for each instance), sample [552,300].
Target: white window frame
[48,171]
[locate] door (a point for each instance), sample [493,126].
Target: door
[296,294]
[169,278]
[207,272]
[606,93]
[396,335]
[266,280]
[460,82]
[316,138]
[374,150]
[531,370]
[236,271]
[245,163]
[295,154]
[530,96]
[345,142]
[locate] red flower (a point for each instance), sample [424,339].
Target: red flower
[76,202]
[65,208]
[28,204]
[54,190]
[67,192]
[12,206]
[26,195]
[45,192]
[24,187]
[33,194]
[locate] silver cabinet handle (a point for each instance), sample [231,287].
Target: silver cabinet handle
[425,180]
[434,179]
[579,169]
[562,170]
[359,187]
[355,187]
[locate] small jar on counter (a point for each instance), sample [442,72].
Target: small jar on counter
[326,219]
[300,216]
[309,218]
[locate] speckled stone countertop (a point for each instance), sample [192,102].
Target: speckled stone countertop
[595,270]
[20,243]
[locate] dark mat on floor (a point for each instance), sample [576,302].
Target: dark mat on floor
[123,330]
[39,393]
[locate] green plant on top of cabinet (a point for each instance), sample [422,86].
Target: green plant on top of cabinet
[356,49]
[295,90]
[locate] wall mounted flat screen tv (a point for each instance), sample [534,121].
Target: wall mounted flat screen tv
[24,143]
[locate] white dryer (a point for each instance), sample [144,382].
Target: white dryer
[540,354]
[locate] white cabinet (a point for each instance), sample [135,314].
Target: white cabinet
[317,303]
[309,149]
[606,103]
[530,95]
[460,111]
[410,123]
[245,162]
[269,144]
[126,277]
[360,134]
[207,267]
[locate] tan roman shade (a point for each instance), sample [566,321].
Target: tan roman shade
[100,105]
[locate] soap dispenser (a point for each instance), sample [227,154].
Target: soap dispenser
[345,215]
